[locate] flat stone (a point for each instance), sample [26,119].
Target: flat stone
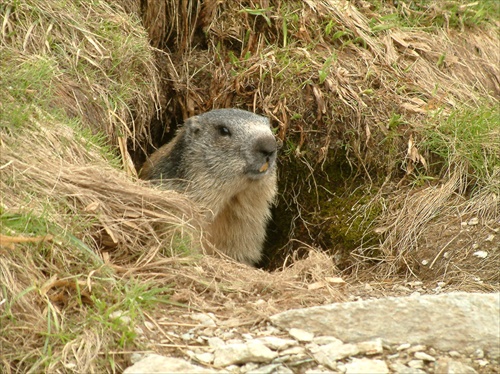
[204,319]
[216,342]
[424,356]
[267,369]
[154,363]
[301,335]
[276,343]
[242,353]
[403,346]
[270,369]
[298,350]
[454,321]
[366,366]
[416,364]
[416,348]
[204,358]
[371,347]
[400,368]
[449,366]
[322,340]
[328,354]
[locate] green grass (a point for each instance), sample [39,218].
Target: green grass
[432,15]
[470,136]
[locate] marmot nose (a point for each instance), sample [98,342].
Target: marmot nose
[266,147]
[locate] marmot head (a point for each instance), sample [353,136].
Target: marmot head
[225,160]
[230,143]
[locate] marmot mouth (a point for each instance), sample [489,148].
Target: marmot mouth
[264,167]
[262,171]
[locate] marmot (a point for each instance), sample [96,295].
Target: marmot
[225,160]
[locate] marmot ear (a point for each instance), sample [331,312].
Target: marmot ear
[192,126]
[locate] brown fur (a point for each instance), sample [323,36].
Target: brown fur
[224,174]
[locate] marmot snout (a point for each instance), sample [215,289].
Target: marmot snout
[225,160]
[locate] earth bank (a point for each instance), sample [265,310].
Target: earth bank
[389,172]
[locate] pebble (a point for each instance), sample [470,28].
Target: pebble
[478,353]
[154,363]
[121,316]
[216,342]
[298,350]
[205,357]
[424,356]
[267,369]
[417,348]
[473,221]
[483,363]
[402,347]
[276,343]
[328,354]
[243,353]
[371,347]
[449,366]
[301,335]
[416,364]
[454,354]
[269,350]
[322,340]
[480,254]
[366,366]
[400,368]
[204,319]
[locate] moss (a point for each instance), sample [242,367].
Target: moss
[325,214]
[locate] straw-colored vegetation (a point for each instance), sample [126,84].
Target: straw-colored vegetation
[390,127]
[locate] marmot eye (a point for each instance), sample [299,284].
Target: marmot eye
[224,131]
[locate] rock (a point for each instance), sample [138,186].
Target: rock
[451,321]
[204,319]
[449,366]
[480,254]
[267,369]
[283,370]
[322,340]
[243,353]
[276,343]
[416,364]
[298,350]
[320,370]
[483,363]
[121,316]
[478,353]
[399,368]
[366,366]
[416,348]
[301,335]
[473,221]
[154,363]
[424,356]
[187,336]
[204,358]
[328,354]
[371,347]
[403,346]
[216,342]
